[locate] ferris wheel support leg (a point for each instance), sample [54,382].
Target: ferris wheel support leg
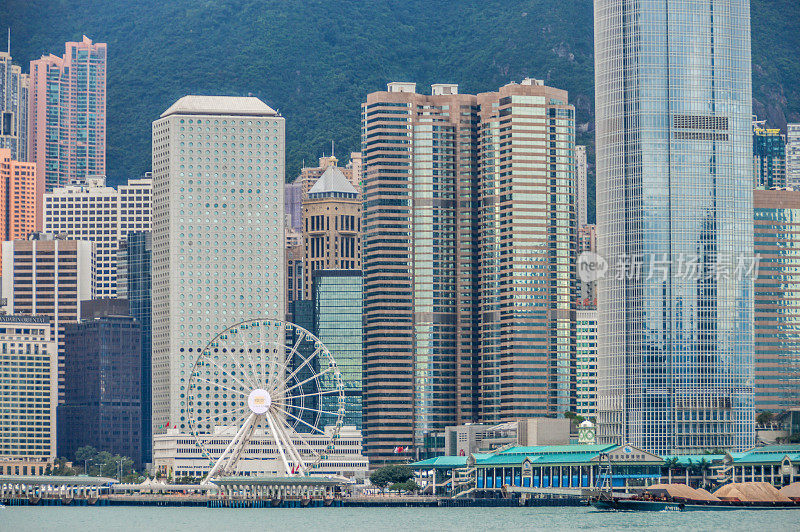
[243,439]
[272,425]
[286,442]
[300,437]
[221,459]
[301,466]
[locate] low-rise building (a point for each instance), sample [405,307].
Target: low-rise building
[569,468]
[778,465]
[177,454]
[565,470]
[463,440]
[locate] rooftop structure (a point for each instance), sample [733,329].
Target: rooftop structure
[220,105]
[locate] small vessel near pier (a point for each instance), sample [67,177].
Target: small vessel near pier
[682,498]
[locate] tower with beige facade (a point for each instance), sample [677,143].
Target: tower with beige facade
[527,240]
[47,275]
[419,164]
[30,362]
[469,239]
[90,210]
[331,227]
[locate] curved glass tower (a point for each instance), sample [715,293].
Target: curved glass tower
[674,211]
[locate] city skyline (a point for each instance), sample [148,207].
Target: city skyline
[445,281]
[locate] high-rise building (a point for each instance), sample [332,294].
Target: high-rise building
[295,268]
[67,115]
[674,202]
[135,285]
[769,157]
[582,192]
[338,324]
[469,234]
[527,241]
[13,108]
[793,155]
[777,299]
[419,261]
[28,397]
[293,206]
[355,166]
[49,276]
[587,242]
[331,226]
[102,400]
[586,374]
[89,210]
[218,233]
[18,205]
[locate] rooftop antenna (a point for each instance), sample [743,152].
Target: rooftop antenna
[332,151]
[9,40]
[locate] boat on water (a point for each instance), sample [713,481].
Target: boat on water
[683,498]
[641,505]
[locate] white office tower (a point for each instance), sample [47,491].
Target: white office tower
[218,242]
[793,155]
[89,210]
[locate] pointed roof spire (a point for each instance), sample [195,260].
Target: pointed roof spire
[332,180]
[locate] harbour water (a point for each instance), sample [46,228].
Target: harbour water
[143,519]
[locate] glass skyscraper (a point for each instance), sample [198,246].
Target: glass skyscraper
[674,209]
[769,157]
[337,323]
[135,285]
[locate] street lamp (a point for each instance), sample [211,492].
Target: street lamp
[86,466]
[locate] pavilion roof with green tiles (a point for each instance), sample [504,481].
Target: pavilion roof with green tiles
[548,466]
[768,453]
[573,467]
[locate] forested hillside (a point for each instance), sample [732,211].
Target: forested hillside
[315,60]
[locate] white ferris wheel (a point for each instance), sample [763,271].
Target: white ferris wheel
[270,379]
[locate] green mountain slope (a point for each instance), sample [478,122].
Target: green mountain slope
[315,60]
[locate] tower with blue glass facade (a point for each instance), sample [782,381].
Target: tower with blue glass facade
[337,299]
[135,285]
[674,204]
